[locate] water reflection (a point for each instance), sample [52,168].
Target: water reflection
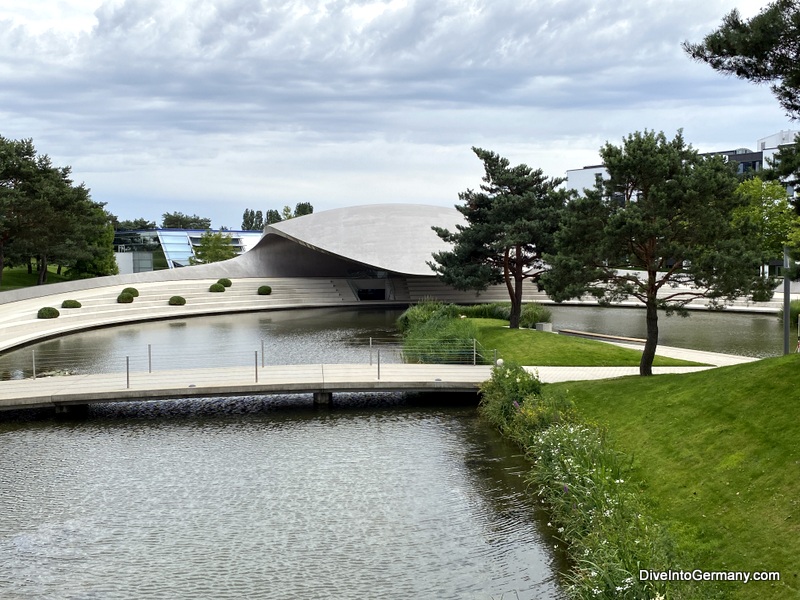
[288,337]
[405,503]
[758,335]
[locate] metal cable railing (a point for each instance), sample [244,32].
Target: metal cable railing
[55,361]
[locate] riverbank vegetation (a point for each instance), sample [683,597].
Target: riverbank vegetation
[681,472]
[597,510]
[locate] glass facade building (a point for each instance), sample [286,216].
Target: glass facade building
[169,248]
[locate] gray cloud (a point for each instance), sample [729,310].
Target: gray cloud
[304,84]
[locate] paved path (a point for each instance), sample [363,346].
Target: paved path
[237,381]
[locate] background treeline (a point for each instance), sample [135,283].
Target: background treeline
[255,220]
[252,220]
[45,218]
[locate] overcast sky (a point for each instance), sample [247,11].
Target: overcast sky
[215,106]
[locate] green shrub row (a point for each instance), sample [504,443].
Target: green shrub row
[596,510]
[532,313]
[434,332]
[127,295]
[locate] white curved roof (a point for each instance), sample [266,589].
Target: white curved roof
[389,237]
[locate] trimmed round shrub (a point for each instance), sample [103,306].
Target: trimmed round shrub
[47,312]
[225,282]
[70,304]
[177,301]
[132,291]
[216,287]
[125,298]
[264,290]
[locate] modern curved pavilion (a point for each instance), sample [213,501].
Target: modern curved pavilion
[347,256]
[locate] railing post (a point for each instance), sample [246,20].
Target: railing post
[370,351]
[474,352]
[495,357]
[127,372]
[33,359]
[256,365]
[149,358]
[262,353]
[379,364]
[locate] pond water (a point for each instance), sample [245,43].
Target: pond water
[264,497]
[729,332]
[254,499]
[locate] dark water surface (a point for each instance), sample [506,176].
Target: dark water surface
[203,499]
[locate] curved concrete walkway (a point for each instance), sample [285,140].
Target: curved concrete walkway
[310,378]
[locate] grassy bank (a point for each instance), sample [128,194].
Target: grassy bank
[18,277]
[720,454]
[432,331]
[530,347]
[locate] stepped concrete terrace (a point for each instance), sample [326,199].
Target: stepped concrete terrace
[19,324]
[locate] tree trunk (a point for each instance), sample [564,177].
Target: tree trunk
[42,270]
[649,352]
[514,289]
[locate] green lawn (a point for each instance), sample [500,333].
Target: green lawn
[18,277]
[719,452]
[529,347]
